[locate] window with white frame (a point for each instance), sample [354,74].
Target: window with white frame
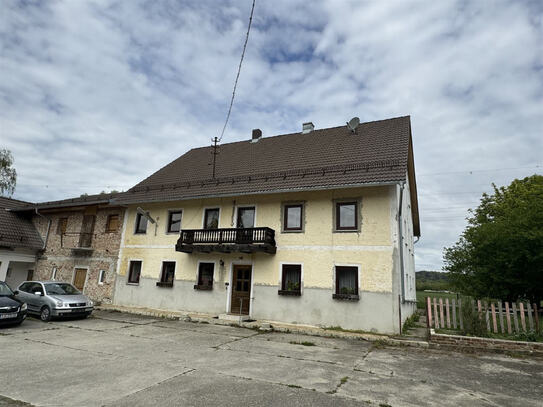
[54,274]
[101,277]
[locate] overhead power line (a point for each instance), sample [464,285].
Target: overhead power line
[239,70]
[480,170]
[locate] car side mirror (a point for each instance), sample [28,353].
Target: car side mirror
[38,293]
[16,292]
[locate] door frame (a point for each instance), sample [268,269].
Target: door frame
[86,276]
[230,288]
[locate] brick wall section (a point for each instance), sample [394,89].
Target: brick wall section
[468,343]
[59,253]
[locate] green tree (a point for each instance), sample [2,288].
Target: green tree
[8,175]
[500,253]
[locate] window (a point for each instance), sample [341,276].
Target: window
[211,218]
[25,287]
[293,218]
[167,275]
[205,276]
[291,279]
[62,225]
[246,217]
[101,277]
[346,216]
[174,221]
[30,275]
[346,283]
[112,223]
[134,272]
[141,224]
[54,274]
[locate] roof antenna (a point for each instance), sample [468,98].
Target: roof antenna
[353,124]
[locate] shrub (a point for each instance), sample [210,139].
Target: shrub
[474,324]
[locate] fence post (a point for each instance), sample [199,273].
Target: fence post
[522,320]
[428,313]
[515,318]
[494,324]
[436,316]
[448,313]
[454,312]
[479,309]
[530,318]
[502,327]
[441,316]
[487,319]
[508,318]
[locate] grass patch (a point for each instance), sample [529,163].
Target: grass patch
[411,322]
[304,343]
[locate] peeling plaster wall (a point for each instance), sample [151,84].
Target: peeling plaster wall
[318,249]
[58,254]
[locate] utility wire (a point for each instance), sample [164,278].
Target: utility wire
[239,70]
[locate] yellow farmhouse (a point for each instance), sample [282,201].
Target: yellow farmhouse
[314,227]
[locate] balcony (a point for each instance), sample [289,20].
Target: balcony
[78,242]
[234,240]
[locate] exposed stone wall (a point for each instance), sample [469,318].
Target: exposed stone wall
[474,344]
[59,250]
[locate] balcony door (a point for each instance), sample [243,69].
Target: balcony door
[246,219]
[241,289]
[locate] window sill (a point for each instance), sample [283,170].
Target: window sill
[289,293]
[163,284]
[129,283]
[292,231]
[346,297]
[346,231]
[203,287]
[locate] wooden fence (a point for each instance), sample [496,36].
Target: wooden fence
[500,317]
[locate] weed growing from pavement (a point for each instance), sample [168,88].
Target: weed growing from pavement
[410,322]
[352,331]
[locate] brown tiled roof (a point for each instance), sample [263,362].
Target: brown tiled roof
[11,203]
[324,158]
[17,230]
[79,201]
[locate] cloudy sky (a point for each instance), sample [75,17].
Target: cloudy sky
[97,95]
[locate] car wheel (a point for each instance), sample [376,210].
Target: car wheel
[45,314]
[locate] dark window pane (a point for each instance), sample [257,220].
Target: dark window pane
[346,216]
[347,280]
[245,286]
[205,274]
[292,277]
[134,272]
[141,223]
[294,217]
[211,219]
[246,217]
[168,272]
[174,222]
[238,285]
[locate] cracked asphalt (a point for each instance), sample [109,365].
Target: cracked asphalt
[116,359]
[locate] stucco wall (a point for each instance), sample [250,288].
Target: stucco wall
[318,249]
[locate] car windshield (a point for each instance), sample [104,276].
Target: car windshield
[4,289]
[60,289]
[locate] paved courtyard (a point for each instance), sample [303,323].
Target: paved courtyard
[117,359]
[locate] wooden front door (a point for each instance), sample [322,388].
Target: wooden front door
[79,278]
[241,289]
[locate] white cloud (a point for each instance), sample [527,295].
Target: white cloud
[98,95]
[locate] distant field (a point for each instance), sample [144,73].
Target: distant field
[421,295]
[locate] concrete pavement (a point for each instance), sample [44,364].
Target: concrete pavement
[117,359]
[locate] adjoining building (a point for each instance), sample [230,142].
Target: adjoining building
[314,227]
[20,243]
[80,242]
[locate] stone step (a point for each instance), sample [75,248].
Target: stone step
[234,317]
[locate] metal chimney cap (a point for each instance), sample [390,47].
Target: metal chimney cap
[307,127]
[257,135]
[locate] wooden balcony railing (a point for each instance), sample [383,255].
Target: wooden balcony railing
[244,240]
[76,240]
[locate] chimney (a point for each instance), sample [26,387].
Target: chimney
[257,135]
[308,127]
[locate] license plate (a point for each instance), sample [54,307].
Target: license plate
[6,316]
